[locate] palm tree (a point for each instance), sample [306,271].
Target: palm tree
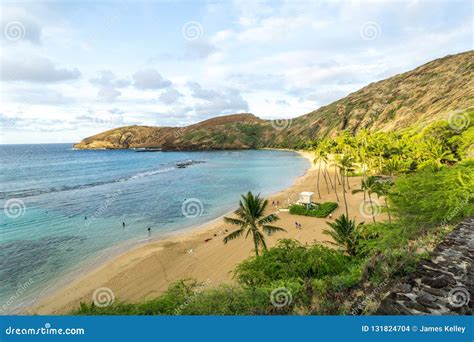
[436,154]
[394,166]
[345,234]
[324,147]
[250,218]
[318,154]
[344,163]
[370,186]
[382,189]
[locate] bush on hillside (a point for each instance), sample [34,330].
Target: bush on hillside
[290,260]
[322,210]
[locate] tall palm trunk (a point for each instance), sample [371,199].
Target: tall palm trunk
[388,211]
[319,172]
[256,245]
[335,189]
[371,207]
[326,180]
[329,177]
[364,176]
[344,194]
[338,178]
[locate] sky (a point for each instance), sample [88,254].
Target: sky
[71,69]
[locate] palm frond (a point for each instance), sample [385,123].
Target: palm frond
[272,229]
[233,235]
[234,221]
[268,219]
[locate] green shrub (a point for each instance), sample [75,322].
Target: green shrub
[428,198]
[176,295]
[238,300]
[322,210]
[290,260]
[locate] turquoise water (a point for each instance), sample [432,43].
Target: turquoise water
[64,208]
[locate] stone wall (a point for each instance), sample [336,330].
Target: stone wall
[442,285]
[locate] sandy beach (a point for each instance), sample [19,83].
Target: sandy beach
[146,271]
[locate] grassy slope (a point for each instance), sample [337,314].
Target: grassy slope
[418,97]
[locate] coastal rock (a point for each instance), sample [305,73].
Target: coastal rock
[442,285]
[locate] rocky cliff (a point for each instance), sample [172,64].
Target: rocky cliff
[443,285]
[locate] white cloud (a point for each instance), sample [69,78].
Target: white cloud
[35,69]
[149,79]
[19,26]
[170,96]
[226,101]
[275,59]
[108,85]
[35,95]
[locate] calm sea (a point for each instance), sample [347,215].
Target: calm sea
[64,208]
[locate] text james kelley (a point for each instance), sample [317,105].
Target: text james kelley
[445,328]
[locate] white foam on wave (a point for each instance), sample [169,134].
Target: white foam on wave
[151,173]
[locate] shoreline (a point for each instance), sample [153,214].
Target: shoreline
[145,271]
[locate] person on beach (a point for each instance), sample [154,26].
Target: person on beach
[149,231]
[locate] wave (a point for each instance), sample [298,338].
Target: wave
[35,192]
[150,173]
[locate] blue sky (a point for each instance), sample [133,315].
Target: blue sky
[70,69]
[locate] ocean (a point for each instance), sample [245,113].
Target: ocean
[65,209]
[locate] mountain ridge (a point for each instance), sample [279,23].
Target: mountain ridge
[418,97]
